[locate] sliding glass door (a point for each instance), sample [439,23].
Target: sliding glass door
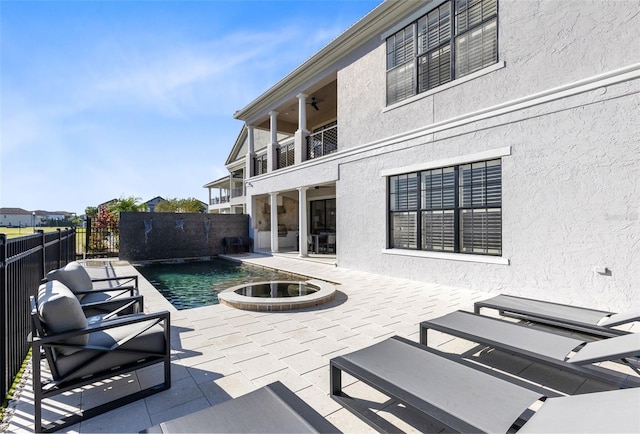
[323,216]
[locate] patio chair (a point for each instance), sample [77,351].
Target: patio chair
[97,299]
[232,245]
[80,353]
[562,352]
[592,321]
[463,397]
[270,409]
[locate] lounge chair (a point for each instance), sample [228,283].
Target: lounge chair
[563,352]
[94,296]
[596,322]
[463,398]
[80,353]
[270,409]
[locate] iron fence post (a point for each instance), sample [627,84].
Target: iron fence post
[3,317]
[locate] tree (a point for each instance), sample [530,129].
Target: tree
[128,204]
[91,211]
[181,205]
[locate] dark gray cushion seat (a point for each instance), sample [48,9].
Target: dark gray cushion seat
[87,362]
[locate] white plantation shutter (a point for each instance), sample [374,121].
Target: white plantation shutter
[400,65]
[450,209]
[455,39]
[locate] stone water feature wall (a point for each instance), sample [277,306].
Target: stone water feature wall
[153,236]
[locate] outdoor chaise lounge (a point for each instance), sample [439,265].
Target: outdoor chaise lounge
[461,397]
[563,352]
[110,292]
[270,409]
[80,353]
[596,322]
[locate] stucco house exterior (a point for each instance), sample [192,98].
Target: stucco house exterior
[484,144]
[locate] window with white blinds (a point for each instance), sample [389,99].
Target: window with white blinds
[454,209]
[455,39]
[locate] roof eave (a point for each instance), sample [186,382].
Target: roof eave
[371,24]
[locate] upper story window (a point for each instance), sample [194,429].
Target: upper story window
[455,209]
[455,39]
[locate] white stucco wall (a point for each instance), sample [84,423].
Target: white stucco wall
[571,202]
[564,99]
[542,44]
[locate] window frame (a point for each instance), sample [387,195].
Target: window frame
[397,60]
[457,202]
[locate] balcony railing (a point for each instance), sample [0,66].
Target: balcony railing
[286,155]
[237,192]
[323,142]
[219,200]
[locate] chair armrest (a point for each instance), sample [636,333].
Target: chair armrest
[133,290]
[117,304]
[103,325]
[107,279]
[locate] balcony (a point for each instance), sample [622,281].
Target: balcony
[219,200]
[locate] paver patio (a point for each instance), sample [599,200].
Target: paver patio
[220,352]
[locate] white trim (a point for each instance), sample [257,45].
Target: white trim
[411,18]
[452,161]
[453,83]
[463,257]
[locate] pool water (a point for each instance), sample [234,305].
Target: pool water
[194,284]
[277,289]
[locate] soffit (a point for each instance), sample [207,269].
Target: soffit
[372,24]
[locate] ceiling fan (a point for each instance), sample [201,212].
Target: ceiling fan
[314,103]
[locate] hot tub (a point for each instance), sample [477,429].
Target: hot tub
[278,295]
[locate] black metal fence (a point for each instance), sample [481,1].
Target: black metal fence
[24,262]
[102,239]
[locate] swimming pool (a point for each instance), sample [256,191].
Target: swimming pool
[197,283]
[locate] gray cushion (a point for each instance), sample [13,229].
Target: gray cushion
[85,362]
[60,312]
[74,276]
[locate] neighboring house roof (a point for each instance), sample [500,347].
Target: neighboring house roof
[109,202]
[14,211]
[239,147]
[220,182]
[375,22]
[39,212]
[155,199]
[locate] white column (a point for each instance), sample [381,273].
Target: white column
[251,155]
[274,222]
[302,223]
[300,137]
[302,111]
[272,147]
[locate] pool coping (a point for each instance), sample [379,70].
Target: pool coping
[326,293]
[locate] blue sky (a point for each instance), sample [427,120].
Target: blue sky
[105,99]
